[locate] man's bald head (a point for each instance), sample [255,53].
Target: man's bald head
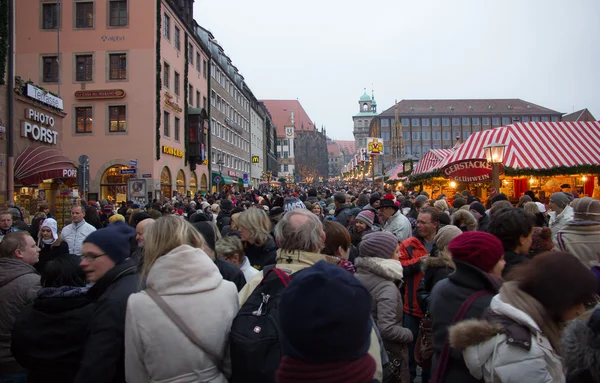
[140,229]
[300,230]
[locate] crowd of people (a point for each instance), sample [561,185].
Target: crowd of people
[346,284]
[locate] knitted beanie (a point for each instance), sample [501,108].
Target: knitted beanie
[114,240]
[367,217]
[560,199]
[226,205]
[478,207]
[422,198]
[380,244]
[541,240]
[478,249]
[374,198]
[445,235]
[389,196]
[586,209]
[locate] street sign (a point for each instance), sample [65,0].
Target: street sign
[133,163]
[245,178]
[217,179]
[127,171]
[147,175]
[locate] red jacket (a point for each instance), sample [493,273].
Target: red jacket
[411,251]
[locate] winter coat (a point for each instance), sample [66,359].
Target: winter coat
[541,220]
[483,223]
[512,259]
[582,239]
[398,225]
[19,283]
[411,252]
[464,220]
[435,268]
[189,282]
[231,273]
[223,219]
[291,262]
[74,234]
[260,256]
[50,252]
[559,221]
[508,346]
[103,358]
[446,298]
[49,335]
[596,270]
[342,213]
[381,277]
[581,351]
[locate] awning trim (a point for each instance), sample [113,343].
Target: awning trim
[37,163]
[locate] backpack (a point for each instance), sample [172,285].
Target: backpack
[254,336]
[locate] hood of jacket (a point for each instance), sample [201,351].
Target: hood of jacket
[581,350]
[476,331]
[12,268]
[389,269]
[183,270]
[443,259]
[466,217]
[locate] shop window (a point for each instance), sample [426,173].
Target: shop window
[177,38]
[117,117]
[118,66]
[84,65]
[50,68]
[166,75]
[118,13]
[167,27]
[83,115]
[176,128]
[84,14]
[113,185]
[166,122]
[176,83]
[165,183]
[194,183]
[50,16]
[180,182]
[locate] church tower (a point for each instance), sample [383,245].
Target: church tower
[362,120]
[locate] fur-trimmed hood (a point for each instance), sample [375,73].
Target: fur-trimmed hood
[389,269]
[581,350]
[467,219]
[443,259]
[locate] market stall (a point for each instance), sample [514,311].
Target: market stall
[541,156]
[427,173]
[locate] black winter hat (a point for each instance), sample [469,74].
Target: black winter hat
[114,240]
[226,205]
[208,233]
[374,198]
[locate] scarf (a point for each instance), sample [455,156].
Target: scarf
[293,370]
[62,292]
[511,294]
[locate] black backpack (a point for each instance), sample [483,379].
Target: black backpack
[254,337]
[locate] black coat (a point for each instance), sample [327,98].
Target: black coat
[435,269]
[260,256]
[484,223]
[104,355]
[512,259]
[231,273]
[48,253]
[445,301]
[49,337]
[223,219]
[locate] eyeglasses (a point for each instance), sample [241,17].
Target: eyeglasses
[423,223]
[91,257]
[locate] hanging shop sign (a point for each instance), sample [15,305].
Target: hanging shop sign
[255,159]
[172,151]
[470,171]
[172,104]
[44,97]
[99,94]
[36,130]
[374,146]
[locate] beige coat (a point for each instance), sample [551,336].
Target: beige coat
[299,260]
[155,349]
[582,239]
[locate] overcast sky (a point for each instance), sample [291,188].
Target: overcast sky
[324,52]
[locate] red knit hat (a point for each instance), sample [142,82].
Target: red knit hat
[389,196]
[477,248]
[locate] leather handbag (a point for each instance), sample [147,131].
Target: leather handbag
[424,343]
[176,319]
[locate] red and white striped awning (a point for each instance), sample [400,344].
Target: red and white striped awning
[432,160]
[38,163]
[536,145]
[393,174]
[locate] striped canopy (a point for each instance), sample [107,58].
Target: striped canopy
[432,160]
[536,145]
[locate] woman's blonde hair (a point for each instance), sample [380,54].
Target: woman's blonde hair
[234,220]
[257,223]
[166,234]
[531,207]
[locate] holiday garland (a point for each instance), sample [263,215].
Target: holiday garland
[186,96]
[158,75]
[3,38]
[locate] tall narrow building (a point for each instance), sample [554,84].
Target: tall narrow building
[362,120]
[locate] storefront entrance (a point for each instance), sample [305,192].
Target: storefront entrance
[113,186]
[166,185]
[193,185]
[180,183]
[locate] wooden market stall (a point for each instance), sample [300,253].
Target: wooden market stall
[545,157]
[428,175]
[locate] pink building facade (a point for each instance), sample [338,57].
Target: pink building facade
[121,72]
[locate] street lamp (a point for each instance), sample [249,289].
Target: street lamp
[220,163]
[494,154]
